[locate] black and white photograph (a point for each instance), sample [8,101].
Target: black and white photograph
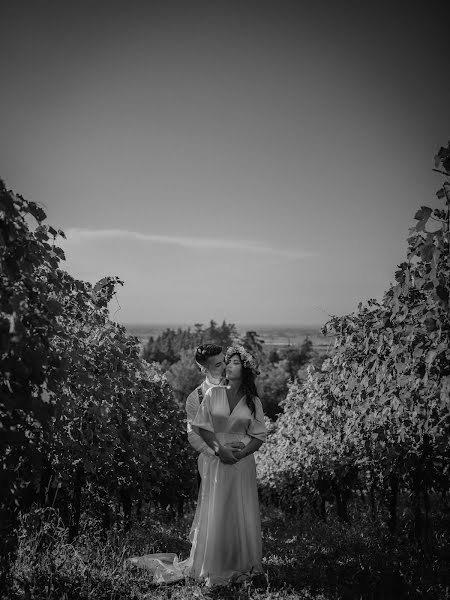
[224,300]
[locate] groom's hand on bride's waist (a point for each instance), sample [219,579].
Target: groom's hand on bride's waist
[235,445]
[226,455]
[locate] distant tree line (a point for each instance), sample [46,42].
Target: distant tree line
[169,346]
[174,350]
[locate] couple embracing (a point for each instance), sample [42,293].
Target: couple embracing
[225,424]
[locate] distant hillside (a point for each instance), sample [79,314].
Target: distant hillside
[273,336]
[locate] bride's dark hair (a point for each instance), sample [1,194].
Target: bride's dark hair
[248,386]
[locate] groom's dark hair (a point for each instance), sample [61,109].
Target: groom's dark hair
[204,351]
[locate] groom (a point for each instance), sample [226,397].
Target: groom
[211,360]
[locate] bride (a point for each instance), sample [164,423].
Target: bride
[226,530]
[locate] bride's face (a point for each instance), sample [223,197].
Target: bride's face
[234,368]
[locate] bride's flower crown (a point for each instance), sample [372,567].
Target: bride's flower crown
[247,359]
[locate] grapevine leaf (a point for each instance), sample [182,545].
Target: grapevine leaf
[426,252]
[442,292]
[6,202]
[36,211]
[423,214]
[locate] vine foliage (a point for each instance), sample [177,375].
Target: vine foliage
[85,421]
[374,420]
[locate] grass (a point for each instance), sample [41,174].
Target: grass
[304,559]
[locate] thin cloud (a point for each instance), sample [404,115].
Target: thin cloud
[75,234]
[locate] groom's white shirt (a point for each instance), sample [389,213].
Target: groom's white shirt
[192,404]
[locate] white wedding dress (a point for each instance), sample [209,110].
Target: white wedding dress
[226,530]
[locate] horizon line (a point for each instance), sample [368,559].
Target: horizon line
[242,324]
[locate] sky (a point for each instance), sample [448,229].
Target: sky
[259,162]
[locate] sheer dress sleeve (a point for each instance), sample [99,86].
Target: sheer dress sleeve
[257,427]
[203,418]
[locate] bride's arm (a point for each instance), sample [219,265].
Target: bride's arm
[225,454]
[257,431]
[251,447]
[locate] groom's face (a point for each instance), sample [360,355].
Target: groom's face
[216,365]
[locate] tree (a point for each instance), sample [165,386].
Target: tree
[272,387]
[222,336]
[274,357]
[184,376]
[167,348]
[255,345]
[296,357]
